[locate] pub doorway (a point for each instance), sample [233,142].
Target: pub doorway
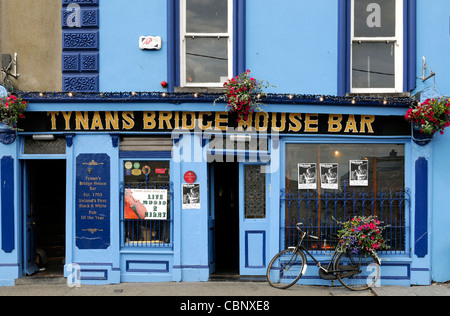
[44,204]
[226,209]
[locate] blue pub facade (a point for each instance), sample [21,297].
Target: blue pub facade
[138,175]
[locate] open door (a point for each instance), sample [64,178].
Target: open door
[211,221]
[253,222]
[30,266]
[44,224]
[224,220]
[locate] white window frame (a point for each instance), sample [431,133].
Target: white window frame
[398,39]
[184,35]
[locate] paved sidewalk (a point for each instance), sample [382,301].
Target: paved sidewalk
[197,289]
[58,287]
[432,290]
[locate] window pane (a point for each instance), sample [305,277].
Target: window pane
[385,163]
[139,228]
[383,195]
[373,65]
[255,192]
[152,143]
[207,16]
[146,173]
[206,59]
[374,18]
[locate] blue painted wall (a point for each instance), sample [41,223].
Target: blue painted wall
[298,52]
[434,44]
[124,67]
[100,265]
[10,266]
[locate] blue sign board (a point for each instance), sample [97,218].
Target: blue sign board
[93,205]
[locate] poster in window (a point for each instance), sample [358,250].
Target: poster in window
[359,173]
[307,176]
[191,196]
[147,204]
[329,176]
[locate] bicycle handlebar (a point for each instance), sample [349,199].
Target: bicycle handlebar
[297,226]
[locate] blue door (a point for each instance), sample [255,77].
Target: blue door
[253,221]
[29,223]
[211,222]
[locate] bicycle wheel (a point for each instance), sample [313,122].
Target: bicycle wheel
[286,268]
[358,272]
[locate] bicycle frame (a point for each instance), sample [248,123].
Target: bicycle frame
[350,269]
[329,268]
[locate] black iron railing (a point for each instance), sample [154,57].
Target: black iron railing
[320,214]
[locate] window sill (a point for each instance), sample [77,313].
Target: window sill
[199,90]
[380,95]
[146,250]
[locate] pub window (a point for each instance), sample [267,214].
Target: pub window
[377,46]
[255,191]
[206,46]
[52,146]
[239,142]
[147,203]
[329,182]
[146,144]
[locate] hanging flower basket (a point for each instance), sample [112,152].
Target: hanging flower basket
[419,137]
[11,110]
[243,94]
[428,118]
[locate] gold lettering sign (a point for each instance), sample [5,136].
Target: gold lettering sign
[167,121]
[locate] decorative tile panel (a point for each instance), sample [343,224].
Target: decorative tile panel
[81,62]
[80,83]
[80,2]
[81,43]
[70,62]
[75,40]
[89,62]
[89,17]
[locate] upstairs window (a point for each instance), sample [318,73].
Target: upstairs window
[206,48]
[377,46]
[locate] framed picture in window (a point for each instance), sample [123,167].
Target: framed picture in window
[329,176]
[359,173]
[307,176]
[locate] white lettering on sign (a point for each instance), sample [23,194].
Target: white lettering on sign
[74,18]
[374,18]
[150,42]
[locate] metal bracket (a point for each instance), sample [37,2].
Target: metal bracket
[12,63]
[425,67]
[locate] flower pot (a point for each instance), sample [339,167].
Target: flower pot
[7,134]
[419,138]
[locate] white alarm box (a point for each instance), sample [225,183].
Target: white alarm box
[150,42]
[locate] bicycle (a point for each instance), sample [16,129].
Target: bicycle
[356,272]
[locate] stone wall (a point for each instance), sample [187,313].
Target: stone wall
[32,28]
